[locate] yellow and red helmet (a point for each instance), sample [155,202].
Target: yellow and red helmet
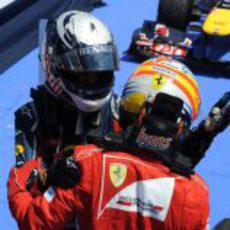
[161,75]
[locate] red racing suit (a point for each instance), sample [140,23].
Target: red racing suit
[117,190]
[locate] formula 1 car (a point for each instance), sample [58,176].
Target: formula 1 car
[186,29]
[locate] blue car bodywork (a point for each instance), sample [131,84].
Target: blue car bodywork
[209,47]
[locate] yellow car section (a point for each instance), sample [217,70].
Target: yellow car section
[217,22]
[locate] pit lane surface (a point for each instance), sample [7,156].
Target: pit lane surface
[122,17]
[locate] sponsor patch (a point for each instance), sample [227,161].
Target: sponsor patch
[158,82]
[164,71]
[152,142]
[117,173]
[151,198]
[95,50]
[140,204]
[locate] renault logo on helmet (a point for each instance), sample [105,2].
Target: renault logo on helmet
[90,50]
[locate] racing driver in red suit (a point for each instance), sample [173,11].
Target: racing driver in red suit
[117,190]
[131,186]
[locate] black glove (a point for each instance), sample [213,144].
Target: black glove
[64,173]
[219,116]
[36,182]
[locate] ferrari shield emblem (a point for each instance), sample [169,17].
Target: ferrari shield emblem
[117,173]
[158,82]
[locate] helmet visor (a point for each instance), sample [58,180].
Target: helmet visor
[89,58]
[88,84]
